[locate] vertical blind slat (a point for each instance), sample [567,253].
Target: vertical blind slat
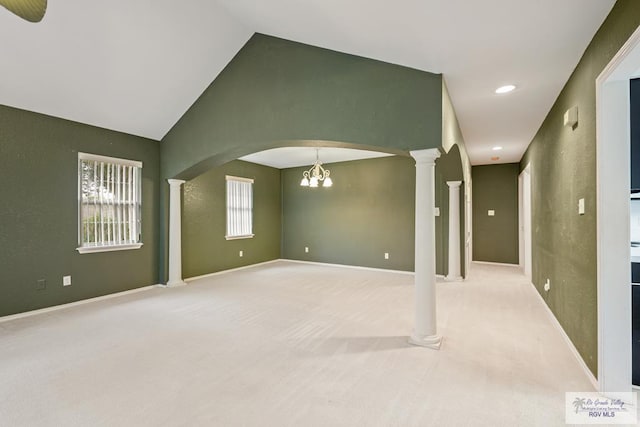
[100,211]
[130,211]
[110,203]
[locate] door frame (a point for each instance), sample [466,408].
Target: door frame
[613,218]
[524,221]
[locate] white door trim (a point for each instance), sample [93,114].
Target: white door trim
[524,218]
[613,188]
[520,221]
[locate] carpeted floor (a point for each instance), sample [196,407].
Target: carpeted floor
[289,344]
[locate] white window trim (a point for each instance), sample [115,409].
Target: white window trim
[94,249]
[98,158]
[240,179]
[105,248]
[248,236]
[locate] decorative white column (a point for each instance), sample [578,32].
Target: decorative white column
[425,333]
[454,231]
[175,234]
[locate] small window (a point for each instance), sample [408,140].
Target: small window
[239,208]
[110,203]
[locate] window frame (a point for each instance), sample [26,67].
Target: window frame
[232,178]
[82,247]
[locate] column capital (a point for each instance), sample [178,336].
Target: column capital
[454,184]
[427,156]
[177,182]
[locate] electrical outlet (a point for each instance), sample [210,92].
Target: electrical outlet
[306,249]
[491,212]
[436,211]
[241,254]
[41,285]
[547,285]
[66,281]
[386,255]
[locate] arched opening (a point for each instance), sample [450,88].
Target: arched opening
[365,219]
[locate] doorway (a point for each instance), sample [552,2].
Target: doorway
[524,220]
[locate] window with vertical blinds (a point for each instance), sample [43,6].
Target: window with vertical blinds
[239,207]
[110,203]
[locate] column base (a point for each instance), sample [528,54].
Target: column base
[176,283]
[432,341]
[453,279]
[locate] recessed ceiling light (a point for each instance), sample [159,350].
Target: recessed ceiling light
[497,148]
[505,89]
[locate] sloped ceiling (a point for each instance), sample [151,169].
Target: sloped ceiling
[136,67]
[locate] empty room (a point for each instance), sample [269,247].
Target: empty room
[244,213]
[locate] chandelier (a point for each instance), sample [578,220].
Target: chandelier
[317,173]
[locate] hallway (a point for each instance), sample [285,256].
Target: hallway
[292,344]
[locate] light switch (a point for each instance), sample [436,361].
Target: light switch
[571,116]
[437,211]
[241,253]
[66,281]
[491,212]
[581,207]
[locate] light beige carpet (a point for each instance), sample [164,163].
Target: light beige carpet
[289,344]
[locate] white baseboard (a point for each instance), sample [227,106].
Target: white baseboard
[231,270]
[496,263]
[572,347]
[357,267]
[73,304]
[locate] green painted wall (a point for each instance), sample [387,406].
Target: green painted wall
[277,92]
[441,222]
[369,210]
[448,168]
[39,213]
[495,238]
[563,170]
[204,247]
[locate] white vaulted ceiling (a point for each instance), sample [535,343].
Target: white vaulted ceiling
[137,66]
